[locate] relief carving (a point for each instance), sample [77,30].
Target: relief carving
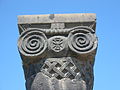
[61,57]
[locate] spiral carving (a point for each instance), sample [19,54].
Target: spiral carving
[32,42]
[82,40]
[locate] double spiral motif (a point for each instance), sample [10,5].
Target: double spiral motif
[32,42]
[82,40]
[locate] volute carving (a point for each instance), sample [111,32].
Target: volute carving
[58,53]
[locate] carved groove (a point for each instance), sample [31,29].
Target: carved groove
[81,40]
[57,43]
[61,68]
[58,51]
[32,43]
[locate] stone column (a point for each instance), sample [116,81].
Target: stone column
[58,51]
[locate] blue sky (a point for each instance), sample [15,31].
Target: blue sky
[107,64]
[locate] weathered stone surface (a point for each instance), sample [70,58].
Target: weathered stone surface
[61,18]
[43,82]
[58,51]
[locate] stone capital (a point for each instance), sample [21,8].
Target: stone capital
[58,50]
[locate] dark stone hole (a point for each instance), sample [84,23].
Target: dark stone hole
[51,62]
[59,77]
[77,70]
[45,66]
[71,76]
[70,64]
[64,61]
[57,65]
[65,71]
[52,71]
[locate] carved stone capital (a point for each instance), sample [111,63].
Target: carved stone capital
[58,51]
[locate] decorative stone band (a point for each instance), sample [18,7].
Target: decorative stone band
[60,31]
[33,42]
